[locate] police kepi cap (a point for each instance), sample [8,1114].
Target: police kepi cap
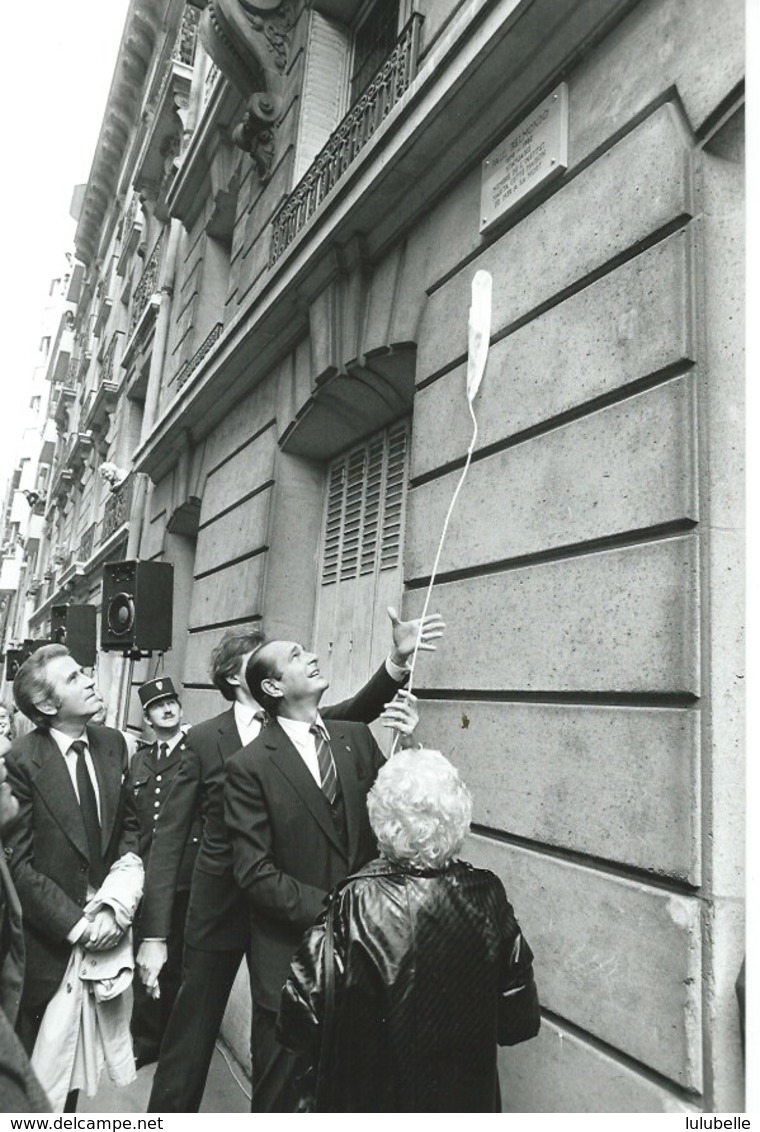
[161,689]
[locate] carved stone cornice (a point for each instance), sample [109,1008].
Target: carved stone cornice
[249,43]
[119,120]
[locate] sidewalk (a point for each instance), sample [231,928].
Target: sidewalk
[223,1089]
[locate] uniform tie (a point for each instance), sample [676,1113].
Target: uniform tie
[162,749]
[327,772]
[89,806]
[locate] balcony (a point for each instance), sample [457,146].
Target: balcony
[102,399]
[62,354]
[357,128]
[107,359]
[117,509]
[145,303]
[104,310]
[86,544]
[130,234]
[34,533]
[99,405]
[78,450]
[146,288]
[62,483]
[162,150]
[187,37]
[49,439]
[209,82]
[188,367]
[66,398]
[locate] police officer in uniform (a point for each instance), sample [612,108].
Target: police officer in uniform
[153,768]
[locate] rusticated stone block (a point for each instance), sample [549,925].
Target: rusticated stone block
[621,620]
[631,191]
[199,649]
[248,418]
[627,467]
[559,1072]
[239,532]
[228,595]
[248,469]
[632,322]
[616,783]
[674,45]
[198,704]
[617,958]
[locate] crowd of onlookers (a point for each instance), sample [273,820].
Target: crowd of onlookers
[383,970]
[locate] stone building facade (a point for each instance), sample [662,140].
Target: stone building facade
[278,240]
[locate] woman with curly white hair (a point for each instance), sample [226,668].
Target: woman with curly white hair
[399,996]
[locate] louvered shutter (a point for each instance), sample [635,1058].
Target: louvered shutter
[361,562]
[365,508]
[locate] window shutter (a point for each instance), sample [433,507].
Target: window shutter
[364,514]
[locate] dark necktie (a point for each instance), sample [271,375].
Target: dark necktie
[327,773]
[89,806]
[162,749]
[262,718]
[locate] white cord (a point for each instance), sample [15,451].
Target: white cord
[429,593]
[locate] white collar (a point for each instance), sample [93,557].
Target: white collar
[300,726]
[170,743]
[63,742]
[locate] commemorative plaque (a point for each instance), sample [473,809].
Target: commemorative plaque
[533,154]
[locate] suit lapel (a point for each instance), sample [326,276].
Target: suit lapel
[290,764]
[55,786]
[109,784]
[229,736]
[353,796]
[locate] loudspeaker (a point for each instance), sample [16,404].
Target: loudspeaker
[14,658]
[137,606]
[75,627]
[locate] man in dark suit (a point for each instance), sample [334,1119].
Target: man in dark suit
[152,772]
[295,805]
[217,930]
[20,1091]
[76,818]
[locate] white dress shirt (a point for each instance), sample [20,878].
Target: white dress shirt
[245,720]
[170,745]
[63,742]
[304,742]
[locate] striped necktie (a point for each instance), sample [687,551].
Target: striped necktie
[327,772]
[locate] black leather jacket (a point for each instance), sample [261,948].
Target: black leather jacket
[431,973]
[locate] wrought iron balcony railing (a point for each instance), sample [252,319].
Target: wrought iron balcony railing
[107,364]
[117,508]
[185,370]
[147,286]
[187,39]
[86,544]
[371,108]
[212,74]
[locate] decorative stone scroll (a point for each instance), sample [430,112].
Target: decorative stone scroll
[249,43]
